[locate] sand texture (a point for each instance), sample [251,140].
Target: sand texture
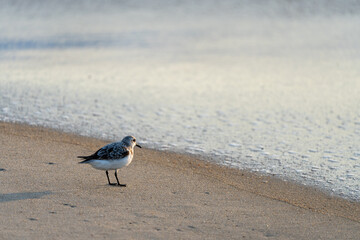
[45,194]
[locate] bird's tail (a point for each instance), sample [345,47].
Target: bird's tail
[86,159]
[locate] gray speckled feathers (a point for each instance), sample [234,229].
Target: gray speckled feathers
[111,151]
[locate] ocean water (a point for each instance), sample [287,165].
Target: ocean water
[269,86]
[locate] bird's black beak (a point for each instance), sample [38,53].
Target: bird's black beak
[138,145]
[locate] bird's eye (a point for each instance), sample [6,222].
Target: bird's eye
[134,140]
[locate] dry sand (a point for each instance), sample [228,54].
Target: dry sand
[45,194]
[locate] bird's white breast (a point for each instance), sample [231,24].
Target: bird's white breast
[112,164]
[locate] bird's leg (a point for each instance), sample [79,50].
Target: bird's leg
[117,177]
[121,185]
[107,174]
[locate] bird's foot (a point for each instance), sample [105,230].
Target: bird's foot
[122,185]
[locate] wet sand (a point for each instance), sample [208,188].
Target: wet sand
[45,194]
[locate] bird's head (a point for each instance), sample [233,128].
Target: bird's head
[130,141]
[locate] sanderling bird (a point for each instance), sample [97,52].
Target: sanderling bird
[113,156]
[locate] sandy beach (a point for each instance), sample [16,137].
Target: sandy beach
[46,194]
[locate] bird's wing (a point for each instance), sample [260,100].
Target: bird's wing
[110,151]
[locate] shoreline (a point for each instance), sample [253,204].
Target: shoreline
[185,175]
